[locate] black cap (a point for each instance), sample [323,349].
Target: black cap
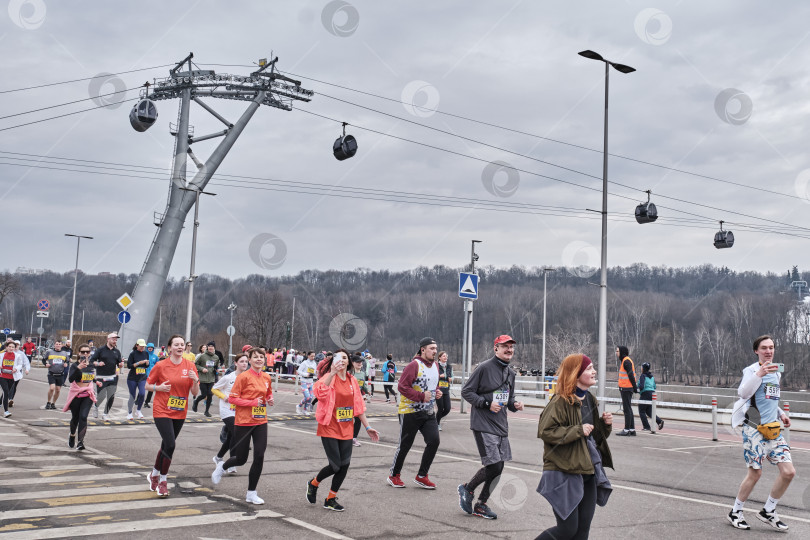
[211,343]
[426,341]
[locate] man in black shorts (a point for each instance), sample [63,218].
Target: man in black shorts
[55,360]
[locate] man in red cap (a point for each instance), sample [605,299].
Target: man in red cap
[490,390]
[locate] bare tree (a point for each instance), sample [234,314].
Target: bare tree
[9,285]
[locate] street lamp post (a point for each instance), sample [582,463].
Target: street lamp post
[466,350]
[191,275]
[231,308]
[602,358]
[543,364]
[75,280]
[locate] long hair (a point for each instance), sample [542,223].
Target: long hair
[567,377]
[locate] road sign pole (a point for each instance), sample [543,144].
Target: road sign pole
[464,355]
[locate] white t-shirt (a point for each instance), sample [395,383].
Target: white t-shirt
[224,385]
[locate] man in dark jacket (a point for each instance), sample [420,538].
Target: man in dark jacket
[490,390]
[627,387]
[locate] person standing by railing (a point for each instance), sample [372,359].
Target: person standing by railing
[627,387]
[646,384]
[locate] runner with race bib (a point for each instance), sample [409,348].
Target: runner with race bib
[252,393]
[137,363]
[171,380]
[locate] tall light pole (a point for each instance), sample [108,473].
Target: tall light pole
[602,358]
[191,275]
[543,365]
[231,308]
[292,324]
[75,280]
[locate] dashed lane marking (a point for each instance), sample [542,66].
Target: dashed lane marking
[138,526]
[316,529]
[106,507]
[91,489]
[98,478]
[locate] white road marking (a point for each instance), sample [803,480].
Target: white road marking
[34,446]
[90,490]
[38,459]
[58,479]
[34,468]
[136,526]
[96,508]
[316,529]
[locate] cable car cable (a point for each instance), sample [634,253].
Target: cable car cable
[83,79]
[66,114]
[68,103]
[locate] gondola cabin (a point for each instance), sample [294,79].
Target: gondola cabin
[646,212]
[723,239]
[344,147]
[143,115]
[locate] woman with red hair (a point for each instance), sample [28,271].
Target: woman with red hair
[575,451]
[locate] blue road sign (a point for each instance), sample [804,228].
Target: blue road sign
[468,285]
[43,305]
[124,317]
[6,331]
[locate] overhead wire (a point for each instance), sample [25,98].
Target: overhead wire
[82,79]
[320,189]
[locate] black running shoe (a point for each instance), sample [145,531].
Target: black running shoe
[772,519]
[71,440]
[80,446]
[312,492]
[465,498]
[482,510]
[332,504]
[660,425]
[737,520]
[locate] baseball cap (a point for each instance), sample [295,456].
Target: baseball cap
[426,341]
[141,342]
[112,335]
[246,348]
[504,339]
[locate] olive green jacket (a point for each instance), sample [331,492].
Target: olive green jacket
[564,446]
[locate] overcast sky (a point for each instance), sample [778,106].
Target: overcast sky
[720,90]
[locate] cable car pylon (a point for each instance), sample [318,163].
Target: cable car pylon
[264,86]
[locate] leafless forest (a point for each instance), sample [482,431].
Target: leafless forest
[694,325]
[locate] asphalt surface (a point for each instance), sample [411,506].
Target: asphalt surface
[675,484]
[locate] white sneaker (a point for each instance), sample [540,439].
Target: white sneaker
[251,497]
[104,417]
[297,411]
[95,412]
[232,470]
[6,414]
[129,416]
[216,476]
[440,427]
[218,460]
[139,415]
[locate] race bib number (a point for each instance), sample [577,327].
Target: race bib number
[259,413]
[8,363]
[88,377]
[771,391]
[233,407]
[345,414]
[209,363]
[140,371]
[57,361]
[311,371]
[361,383]
[501,397]
[177,403]
[444,384]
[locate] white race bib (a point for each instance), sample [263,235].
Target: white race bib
[772,391]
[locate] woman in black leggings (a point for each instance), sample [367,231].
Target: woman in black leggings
[171,380]
[252,393]
[81,396]
[341,404]
[445,380]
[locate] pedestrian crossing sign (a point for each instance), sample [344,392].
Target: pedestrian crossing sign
[468,285]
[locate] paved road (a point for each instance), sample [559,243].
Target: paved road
[677,484]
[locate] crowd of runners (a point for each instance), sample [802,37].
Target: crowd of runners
[336,386]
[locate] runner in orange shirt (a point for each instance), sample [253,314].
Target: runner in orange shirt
[340,402]
[252,393]
[170,380]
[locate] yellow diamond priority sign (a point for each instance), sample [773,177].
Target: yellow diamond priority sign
[125,301]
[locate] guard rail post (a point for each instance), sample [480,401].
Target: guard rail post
[295,382]
[714,418]
[275,384]
[787,429]
[653,423]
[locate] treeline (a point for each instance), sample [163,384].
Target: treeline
[694,325]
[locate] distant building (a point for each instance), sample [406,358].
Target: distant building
[28,271]
[104,274]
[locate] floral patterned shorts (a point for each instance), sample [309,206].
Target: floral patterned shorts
[756,448]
